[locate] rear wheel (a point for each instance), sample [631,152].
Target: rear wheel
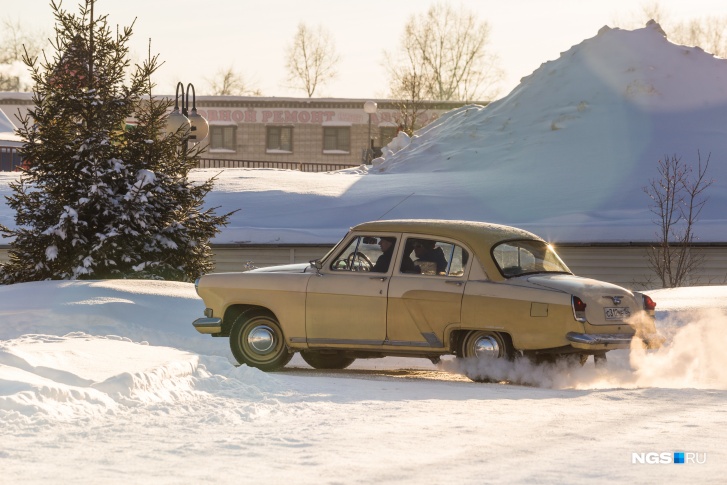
[569,359]
[256,339]
[318,360]
[485,345]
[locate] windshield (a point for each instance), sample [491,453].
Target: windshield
[325,256]
[516,258]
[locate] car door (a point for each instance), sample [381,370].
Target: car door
[423,300]
[346,302]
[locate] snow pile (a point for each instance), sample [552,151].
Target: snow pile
[67,378]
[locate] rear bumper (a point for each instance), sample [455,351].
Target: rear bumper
[600,341]
[208,325]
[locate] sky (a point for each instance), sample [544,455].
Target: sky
[108,382]
[196,40]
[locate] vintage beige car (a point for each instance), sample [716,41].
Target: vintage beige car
[422,288]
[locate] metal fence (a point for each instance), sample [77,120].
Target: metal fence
[300,166]
[11,159]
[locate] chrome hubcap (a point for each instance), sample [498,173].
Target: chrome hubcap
[261,339]
[486,347]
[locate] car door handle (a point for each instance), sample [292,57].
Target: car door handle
[452,282]
[381,278]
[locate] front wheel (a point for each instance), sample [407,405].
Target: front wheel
[256,340]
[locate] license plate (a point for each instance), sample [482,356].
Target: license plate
[617,313]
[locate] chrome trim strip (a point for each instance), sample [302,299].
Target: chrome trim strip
[600,338]
[432,339]
[405,343]
[334,341]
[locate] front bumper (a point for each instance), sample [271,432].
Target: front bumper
[208,325]
[600,341]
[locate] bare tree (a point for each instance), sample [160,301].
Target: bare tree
[407,87]
[678,199]
[15,42]
[444,56]
[707,32]
[311,59]
[228,82]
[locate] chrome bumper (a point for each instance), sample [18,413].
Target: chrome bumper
[604,341]
[208,325]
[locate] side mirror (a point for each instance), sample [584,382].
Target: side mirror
[317,264]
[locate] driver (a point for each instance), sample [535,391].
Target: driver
[387,247]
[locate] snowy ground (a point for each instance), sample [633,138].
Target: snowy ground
[107,382]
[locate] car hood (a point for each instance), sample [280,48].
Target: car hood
[286,268]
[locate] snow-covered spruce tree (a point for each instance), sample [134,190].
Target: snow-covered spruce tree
[98,200]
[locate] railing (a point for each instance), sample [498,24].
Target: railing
[300,166]
[10,159]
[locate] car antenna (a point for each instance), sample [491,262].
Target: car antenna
[397,205]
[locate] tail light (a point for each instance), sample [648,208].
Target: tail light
[579,309]
[649,304]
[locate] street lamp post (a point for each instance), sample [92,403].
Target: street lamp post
[193,125]
[370,108]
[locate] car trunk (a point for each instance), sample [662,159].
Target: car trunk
[608,306]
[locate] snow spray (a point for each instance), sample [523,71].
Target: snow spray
[692,355]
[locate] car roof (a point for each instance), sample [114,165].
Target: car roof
[480,236]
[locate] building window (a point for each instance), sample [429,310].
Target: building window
[223,137]
[386,134]
[280,139]
[336,139]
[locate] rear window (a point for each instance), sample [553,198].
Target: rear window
[517,258]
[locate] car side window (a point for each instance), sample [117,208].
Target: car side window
[433,258]
[366,253]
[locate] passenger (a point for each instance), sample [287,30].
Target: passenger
[407,265]
[387,247]
[425,251]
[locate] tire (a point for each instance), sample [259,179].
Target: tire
[484,344]
[318,360]
[568,359]
[257,340]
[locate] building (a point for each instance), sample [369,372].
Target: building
[311,134]
[9,144]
